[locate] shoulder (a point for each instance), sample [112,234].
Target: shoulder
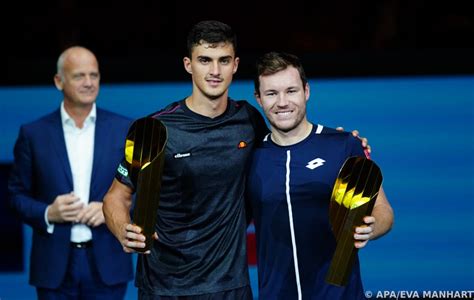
[101,113]
[325,131]
[108,119]
[352,144]
[39,123]
[252,111]
[341,137]
[239,104]
[171,109]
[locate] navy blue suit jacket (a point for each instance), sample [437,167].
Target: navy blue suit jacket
[41,171]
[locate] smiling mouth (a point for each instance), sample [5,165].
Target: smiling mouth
[284,113]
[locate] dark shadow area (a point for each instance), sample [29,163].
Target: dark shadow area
[144,41]
[11,230]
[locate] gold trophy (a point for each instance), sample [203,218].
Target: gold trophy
[144,153]
[353,197]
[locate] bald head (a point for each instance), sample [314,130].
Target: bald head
[78,78]
[72,55]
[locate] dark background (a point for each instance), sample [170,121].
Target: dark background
[144,41]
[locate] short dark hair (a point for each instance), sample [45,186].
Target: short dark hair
[210,31]
[274,62]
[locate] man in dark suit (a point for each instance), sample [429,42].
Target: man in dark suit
[64,164]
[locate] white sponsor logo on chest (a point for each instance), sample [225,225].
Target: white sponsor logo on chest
[318,162]
[182,155]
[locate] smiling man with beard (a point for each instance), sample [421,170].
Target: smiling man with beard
[289,186]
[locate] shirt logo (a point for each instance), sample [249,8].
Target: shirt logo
[318,162]
[182,155]
[241,145]
[122,170]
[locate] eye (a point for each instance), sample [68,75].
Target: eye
[95,76]
[225,61]
[270,94]
[204,60]
[292,91]
[77,76]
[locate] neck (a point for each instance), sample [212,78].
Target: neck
[293,136]
[78,112]
[207,107]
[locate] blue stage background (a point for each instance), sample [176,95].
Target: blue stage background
[421,132]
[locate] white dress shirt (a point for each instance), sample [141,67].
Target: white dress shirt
[80,152]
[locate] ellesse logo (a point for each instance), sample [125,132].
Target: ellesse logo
[182,155]
[241,145]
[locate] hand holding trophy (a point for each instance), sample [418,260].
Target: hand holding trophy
[144,153]
[353,198]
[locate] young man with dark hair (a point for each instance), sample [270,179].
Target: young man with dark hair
[201,224]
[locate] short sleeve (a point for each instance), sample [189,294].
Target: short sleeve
[355,147]
[122,174]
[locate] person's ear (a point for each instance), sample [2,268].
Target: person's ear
[187,65]
[257,97]
[306,91]
[236,65]
[58,82]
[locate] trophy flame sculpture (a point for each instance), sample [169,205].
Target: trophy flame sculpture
[353,198]
[144,154]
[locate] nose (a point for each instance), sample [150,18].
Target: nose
[214,68]
[87,81]
[282,101]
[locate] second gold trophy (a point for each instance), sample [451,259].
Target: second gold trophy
[144,153]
